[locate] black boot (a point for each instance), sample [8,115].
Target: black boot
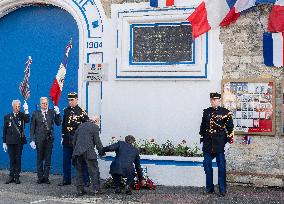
[117,190]
[80,192]
[128,190]
[10,180]
[17,180]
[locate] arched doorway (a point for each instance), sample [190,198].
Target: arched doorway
[43,33]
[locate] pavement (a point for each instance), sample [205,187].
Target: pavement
[31,192]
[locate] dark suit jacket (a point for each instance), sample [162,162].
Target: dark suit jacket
[10,134]
[126,156]
[86,138]
[38,127]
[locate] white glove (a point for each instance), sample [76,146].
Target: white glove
[56,109]
[26,108]
[33,145]
[5,147]
[227,147]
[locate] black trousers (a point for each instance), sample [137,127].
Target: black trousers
[93,169]
[117,180]
[15,154]
[44,152]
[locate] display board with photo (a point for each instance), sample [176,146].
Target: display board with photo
[282,107]
[252,103]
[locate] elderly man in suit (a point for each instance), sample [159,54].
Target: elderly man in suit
[42,137]
[122,165]
[86,138]
[14,138]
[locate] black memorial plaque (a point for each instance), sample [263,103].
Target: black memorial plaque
[162,43]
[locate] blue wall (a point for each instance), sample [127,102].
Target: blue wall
[43,33]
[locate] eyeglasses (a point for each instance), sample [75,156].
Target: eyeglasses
[71,99]
[44,103]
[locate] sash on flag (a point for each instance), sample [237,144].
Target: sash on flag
[24,85]
[57,85]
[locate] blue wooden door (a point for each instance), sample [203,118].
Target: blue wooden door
[43,33]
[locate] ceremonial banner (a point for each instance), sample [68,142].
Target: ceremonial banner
[161,3]
[24,85]
[58,82]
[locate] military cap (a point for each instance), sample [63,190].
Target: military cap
[215,95]
[72,95]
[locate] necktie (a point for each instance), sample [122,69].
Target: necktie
[44,115]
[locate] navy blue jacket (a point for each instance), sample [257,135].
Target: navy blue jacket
[10,133]
[126,156]
[216,129]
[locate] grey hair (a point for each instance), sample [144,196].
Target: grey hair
[42,98]
[16,101]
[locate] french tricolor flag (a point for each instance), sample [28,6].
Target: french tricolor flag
[162,3]
[57,85]
[276,17]
[214,13]
[273,49]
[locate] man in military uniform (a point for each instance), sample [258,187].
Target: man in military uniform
[217,131]
[72,118]
[14,138]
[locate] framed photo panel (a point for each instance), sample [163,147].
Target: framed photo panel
[252,103]
[282,107]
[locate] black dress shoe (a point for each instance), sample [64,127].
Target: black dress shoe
[222,194]
[17,181]
[64,183]
[117,191]
[128,190]
[40,180]
[80,193]
[208,192]
[97,192]
[10,180]
[47,181]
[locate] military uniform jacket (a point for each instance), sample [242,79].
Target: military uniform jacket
[216,129]
[72,118]
[10,133]
[126,156]
[86,138]
[42,129]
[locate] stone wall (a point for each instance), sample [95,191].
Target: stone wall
[262,162]
[107,4]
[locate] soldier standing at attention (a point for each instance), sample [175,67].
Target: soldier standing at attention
[14,138]
[72,118]
[217,132]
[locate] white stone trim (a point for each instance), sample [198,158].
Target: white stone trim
[73,7]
